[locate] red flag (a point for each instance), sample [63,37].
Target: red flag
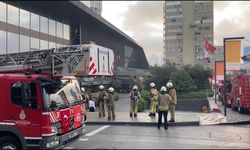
[209,47]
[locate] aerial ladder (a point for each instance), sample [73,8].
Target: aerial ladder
[56,61]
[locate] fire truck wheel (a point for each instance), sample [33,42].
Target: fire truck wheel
[9,142]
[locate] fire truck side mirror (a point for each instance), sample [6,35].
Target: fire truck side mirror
[26,94]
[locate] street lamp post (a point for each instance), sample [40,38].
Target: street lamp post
[224,85]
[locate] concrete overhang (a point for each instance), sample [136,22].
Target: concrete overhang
[101,19]
[122,71]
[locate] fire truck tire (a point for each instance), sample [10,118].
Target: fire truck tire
[9,142]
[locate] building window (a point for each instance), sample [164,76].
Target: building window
[2,42]
[24,19]
[52,45]
[34,22]
[44,44]
[58,45]
[66,32]
[34,44]
[24,43]
[13,15]
[52,27]
[44,24]
[12,43]
[207,28]
[3,11]
[59,30]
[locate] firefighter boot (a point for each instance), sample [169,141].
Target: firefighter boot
[109,118]
[135,115]
[131,115]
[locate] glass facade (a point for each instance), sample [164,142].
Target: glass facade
[3,11]
[44,44]
[52,27]
[11,42]
[24,19]
[35,44]
[34,22]
[59,29]
[13,15]
[44,25]
[24,43]
[2,42]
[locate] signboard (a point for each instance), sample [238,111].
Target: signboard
[233,50]
[246,55]
[219,70]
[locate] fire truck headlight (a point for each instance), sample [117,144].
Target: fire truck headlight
[52,144]
[53,129]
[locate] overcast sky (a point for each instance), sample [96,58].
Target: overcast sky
[143,21]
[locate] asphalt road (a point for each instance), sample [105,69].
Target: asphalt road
[135,137]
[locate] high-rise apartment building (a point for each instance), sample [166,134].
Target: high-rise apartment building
[96,6]
[186,25]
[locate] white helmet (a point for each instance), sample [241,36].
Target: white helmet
[164,89]
[135,87]
[101,87]
[111,89]
[152,84]
[82,89]
[169,85]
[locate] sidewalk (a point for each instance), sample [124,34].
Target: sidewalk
[182,119]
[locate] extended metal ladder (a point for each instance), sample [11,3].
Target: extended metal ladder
[58,61]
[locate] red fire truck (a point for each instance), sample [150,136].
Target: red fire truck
[40,110]
[228,92]
[241,93]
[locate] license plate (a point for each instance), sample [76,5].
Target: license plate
[73,135]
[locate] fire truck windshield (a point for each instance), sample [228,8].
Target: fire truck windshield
[60,94]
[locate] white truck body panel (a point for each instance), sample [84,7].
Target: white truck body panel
[101,60]
[97,61]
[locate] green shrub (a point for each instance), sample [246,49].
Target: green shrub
[145,95]
[196,95]
[141,105]
[116,96]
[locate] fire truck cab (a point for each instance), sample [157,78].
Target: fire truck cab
[43,109]
[39,112]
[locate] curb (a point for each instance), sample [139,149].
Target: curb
[190,123]
[236,123]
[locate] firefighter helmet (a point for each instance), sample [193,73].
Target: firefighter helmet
[169,85]
[101,87]
[135,87]
[111,89]
[152,85]
[82,89]
[163,89]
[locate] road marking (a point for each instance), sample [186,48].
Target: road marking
[83,139]
[69,148]
[97,130]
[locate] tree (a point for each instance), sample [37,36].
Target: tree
[160,76]
[183,82]
[200,76]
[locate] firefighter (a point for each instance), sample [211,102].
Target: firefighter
[111,103]
[102,96]
[153,98]
[163,103]
[171,91]
[134,99]
[85,96]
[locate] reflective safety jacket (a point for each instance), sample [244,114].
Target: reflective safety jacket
[153,94]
